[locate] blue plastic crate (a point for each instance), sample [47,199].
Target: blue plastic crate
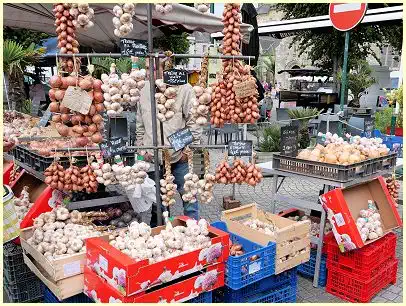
[241,270]
[49,297]
[205,297]
[285,294]
[257,289]
[307,269]
[394,143]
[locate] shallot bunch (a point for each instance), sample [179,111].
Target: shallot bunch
[132,85]
[393,186]
[205,190]
[239,173]
[57,235]
[202,7]
[369,223]
[113,93]
[168,187]
[123,19]
[83,15]
[165,99]
[200,108]
[139,243]
[22,204]
[72,179]
[163,8]
[65,29]
[83,126]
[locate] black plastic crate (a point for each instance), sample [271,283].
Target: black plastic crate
[28,291]
[12,255]
[17,273]
[339,173]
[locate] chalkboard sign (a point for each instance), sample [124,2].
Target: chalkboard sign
[112,147]
[180,139]
[289,140]
[175,77]
[368,126]
[106,126]
[45,118]
[240,148]
[133,47]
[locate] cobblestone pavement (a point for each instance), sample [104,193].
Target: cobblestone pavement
[300,189]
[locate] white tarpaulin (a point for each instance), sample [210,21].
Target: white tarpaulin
[39,17]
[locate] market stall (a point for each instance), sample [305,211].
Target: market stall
[84,229]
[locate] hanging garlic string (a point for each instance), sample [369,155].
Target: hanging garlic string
[191,179]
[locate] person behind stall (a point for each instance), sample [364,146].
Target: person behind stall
[182,119]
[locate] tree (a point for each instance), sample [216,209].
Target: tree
[325,48]
[267,62]
[15,59]
[178,44]
[24,37]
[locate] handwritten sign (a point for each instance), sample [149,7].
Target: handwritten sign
[77,100]
[133,47]
[240,148]
[180,139]
[175,77]
[112,147]
[245,89]
[289,140]
[45,118]
[368,126]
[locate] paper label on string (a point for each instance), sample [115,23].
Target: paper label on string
[77,100]
[245,89]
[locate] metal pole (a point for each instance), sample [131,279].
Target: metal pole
[160,55]
[153,112]
[6,91]
[344,77]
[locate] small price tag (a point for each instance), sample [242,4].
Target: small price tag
[254,267]
[71,268]
[245,89]
[180,139]
[289,140]
[133,47]
[175,77]
[45,118]
[112,147]
[77,100]
[240,148]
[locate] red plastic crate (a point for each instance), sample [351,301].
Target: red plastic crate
[363,262]
[350,287]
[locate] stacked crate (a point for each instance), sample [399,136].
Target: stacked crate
[20,284]
[250,278]
[358,275]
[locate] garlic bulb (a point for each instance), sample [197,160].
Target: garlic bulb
[205,190]
[111,88]
[200,108]
[163,8]
[202,7]
[369,223]
[168,187]
[165,99]
[264,227]
[22,204]
[83,15]
[123,19]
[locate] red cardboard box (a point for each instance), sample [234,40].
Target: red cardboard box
[131,277]
[343,207]
[100,291]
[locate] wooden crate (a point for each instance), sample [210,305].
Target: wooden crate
[288,231]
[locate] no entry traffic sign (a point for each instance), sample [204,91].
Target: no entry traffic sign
[346,16]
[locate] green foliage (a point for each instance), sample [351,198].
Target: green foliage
[396,95]
[383,119]
[266,63]
[303,115]
[358,79]
[178,44]
[26,107]
[123,65]
[270,139]
[24,37]
[322,47]
[16,58]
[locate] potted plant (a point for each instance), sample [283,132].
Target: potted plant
[303,116]
[269,143]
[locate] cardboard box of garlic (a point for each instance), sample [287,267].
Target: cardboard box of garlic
[292,238]
[140,258]
[361,214]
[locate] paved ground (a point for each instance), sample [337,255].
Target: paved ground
[298,189]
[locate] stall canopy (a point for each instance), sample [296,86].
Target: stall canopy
[39,17]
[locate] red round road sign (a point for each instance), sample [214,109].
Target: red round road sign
[346,16]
